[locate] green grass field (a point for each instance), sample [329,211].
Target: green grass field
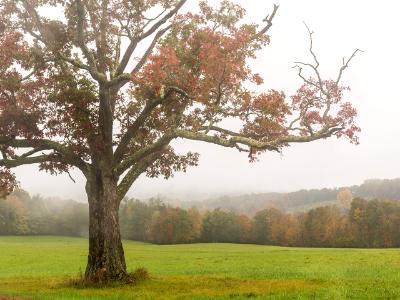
[39,268]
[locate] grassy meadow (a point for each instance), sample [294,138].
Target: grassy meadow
[39,268]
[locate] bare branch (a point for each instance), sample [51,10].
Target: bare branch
[346,64]
[300,74]
[268,19]
[315,66]
[167,17]
[70,176]
[319,84]
[311,47]
[149,20]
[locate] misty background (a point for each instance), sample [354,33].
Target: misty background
[340,27]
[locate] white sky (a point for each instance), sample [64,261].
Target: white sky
[340,26]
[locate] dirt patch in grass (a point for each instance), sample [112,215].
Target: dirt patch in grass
[100,281]
[166,288]
[192,286]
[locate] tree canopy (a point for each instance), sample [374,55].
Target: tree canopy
[122,79]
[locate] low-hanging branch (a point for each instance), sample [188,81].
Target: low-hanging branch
[41,145]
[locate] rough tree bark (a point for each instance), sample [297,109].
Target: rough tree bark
[106,259]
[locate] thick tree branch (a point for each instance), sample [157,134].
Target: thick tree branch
[12,163]
[144,152]
[141,119]
[133,129]
[135,40]
[324,133]
[42,144]
[31,152]
[122,79]
[81,41]
[221,130]
[106,120]
[234,139]
[142,159]
[134,173]
[230,142]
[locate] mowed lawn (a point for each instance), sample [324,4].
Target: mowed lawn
[39,268]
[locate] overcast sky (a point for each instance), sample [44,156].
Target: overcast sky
[340,26]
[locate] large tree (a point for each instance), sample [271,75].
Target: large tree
[106,86]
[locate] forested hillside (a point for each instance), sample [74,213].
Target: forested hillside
[300,200]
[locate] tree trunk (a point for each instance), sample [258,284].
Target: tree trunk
[106,260]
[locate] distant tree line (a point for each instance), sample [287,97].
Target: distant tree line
[349,223]
[21,214]
[364,223]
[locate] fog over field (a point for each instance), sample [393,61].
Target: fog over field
[340,27]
